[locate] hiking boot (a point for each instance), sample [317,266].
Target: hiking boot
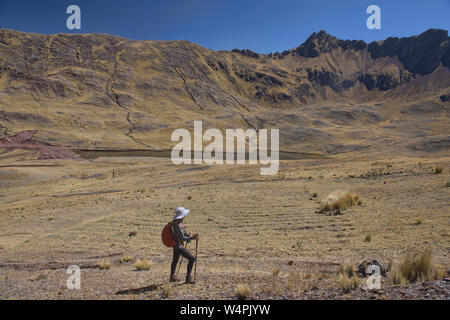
[189,280]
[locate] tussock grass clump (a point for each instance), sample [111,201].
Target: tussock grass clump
[166,292]
[368,237]
[242,291]
[104,265]
[415,267]
[337,201]
[347,284]
[438,170]
[143,265]
[275,272]
[39,277]
[347,278]
[126,259]
[346,269]
[418,267]
[395,276]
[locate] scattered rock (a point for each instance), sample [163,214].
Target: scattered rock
[362,268]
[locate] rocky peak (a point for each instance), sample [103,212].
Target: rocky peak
[317,43]
[420,54]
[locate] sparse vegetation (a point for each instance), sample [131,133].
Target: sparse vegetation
[166,292]
[347,283]
[242,291]
[275,218]
[368,237]
[143,265]
[415,267]
[275,272]
[104,265]
[395,276]
[126,259]
[346,269]
[337,201]
[438,170]
[418,221]
[39,277]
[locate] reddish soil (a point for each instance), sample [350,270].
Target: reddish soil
[24,140]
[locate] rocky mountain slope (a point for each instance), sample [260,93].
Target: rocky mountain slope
[328,95]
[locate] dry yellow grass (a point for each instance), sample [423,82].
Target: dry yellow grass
[419,267]
[126,259]
[347,278]
[346,283]
[396,277]
[415,267]
[262,233]
[166,292]
[104,265]
[438,170]
[242,291]
[337,201]
[346,269]
[143,265]
[275,272]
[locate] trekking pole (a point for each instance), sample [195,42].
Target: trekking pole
[195,261]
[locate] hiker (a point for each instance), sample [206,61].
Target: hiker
[179,249]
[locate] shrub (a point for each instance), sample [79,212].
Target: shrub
[104,265]
[337,201]
[143,265]
[368,237]
[242,291]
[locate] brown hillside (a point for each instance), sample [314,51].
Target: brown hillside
[326,96]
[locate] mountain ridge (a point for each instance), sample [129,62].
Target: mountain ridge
[101,91]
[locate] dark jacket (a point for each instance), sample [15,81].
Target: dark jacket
[179,234]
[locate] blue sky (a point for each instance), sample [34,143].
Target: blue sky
[260,25]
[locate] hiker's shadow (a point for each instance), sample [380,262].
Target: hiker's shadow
[142,290]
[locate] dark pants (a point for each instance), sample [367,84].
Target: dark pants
[177,251]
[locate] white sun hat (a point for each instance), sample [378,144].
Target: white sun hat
[180,213]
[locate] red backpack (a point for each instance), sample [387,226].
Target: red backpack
[167,235]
